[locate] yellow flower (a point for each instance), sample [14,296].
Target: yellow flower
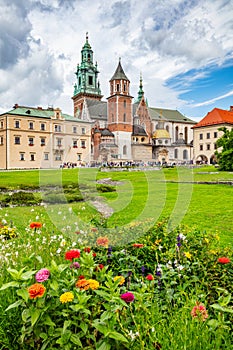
[66,297]
[120,278]
[93,284]
[158,241]
[206,240]
[188,255]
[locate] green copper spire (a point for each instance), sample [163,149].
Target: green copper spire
[140,92]
[87,73]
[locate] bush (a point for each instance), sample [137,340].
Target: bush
[20,198]
[105,188]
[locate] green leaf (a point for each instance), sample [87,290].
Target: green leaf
[213,323]
[54,285]
[25,315]
[10,284]
[100,327]
[84,327]
[27,275]
[47,320]
[223,301]
[23,293]
[117,336]
[15,274]
[75,339]
[104,346]
[66,325]
[221,308]
[35,314]
[16,304]
[106,315]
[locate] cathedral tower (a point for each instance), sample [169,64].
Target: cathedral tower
[120,119]
[87,85]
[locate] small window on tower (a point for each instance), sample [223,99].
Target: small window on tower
[124,87]
[118,87]
[90,80]
[124,118]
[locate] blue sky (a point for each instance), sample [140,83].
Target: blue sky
[183,48]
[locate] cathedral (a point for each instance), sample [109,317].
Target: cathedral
[124,128]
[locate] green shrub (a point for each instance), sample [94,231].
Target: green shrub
[20,198]
[105,188]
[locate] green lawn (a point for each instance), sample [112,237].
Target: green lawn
[139,197]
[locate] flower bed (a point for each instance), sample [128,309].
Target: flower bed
[167,290]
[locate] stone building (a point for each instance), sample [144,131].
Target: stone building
[124,128]
[42,138]
[206,133]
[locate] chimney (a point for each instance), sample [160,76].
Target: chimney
[231,108]
[39,107]
[16,106]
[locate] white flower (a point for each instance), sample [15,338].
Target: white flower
[63,243]
[37,217]
[180,267]
[59,213]
[32,209]
[74,244]
[70,209]
[58,251]
[133,335]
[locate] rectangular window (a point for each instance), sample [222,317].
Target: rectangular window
[208,147]
[75,144]
[124,118]
[42,142]
[75,129]
[201,136]
[32,157]
[30,141]
[83,131]
[208,135]
[42,127]
[17,125]
[46,156]
[215,134]
[215,146]
[17,140]
[59,142]
[31,125]
[201,147]
[1,140]
[83,143]
[57,128]
[58,157]
[21,156]
[78,157]
[1,125]
[118,87]
[90,80]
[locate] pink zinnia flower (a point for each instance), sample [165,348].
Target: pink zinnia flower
[127,297]
[75,265]
[224,260]
[42,275]
[199,311]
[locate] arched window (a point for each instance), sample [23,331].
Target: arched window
[185,154]
[124,103]
[167,128]
[124,150]
[176,153]
[124,118]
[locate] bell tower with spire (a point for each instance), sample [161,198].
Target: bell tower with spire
[87,85]
[120,116]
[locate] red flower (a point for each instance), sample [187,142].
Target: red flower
[87,250]
[127,297]
[94,229]
[149,277]
[138,245]
[35,225]
[94,255]
[81,277]
[72,254]
[224,260]
[199,311]
[99,267]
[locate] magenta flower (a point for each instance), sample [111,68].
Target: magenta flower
[75,265]
[42,275]
[127,297]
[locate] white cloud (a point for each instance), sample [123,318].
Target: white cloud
[213,100]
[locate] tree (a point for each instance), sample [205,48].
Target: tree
[225,156]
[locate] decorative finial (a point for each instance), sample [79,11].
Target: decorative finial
[119,59]
[86,36]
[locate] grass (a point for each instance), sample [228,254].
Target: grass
[140,196]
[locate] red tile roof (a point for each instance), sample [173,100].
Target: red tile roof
[216,116]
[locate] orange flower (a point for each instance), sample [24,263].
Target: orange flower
[83,284]
[138,245]
[103,241]
[37,290]
[35,225]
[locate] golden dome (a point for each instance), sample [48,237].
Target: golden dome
[161,134]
